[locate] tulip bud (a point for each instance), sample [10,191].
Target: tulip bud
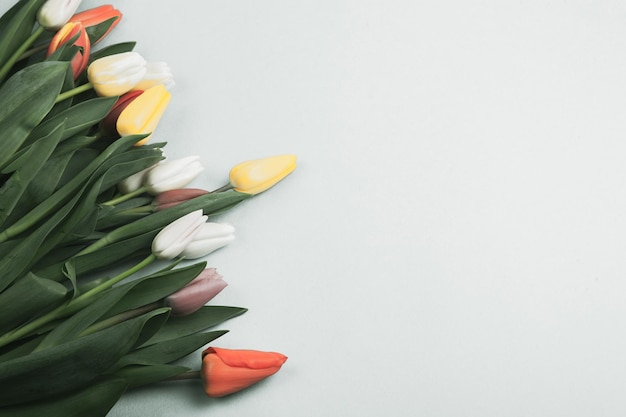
[254,177]
[226,371]
[156,73]
[172,198]
[97,16]
[170,175]
[142,115]
[133,182]
[67,32]
[110,121]
[174,237]
[211,237]
[197,293]
[55,13]
[117,74]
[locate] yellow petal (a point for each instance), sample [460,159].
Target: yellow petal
[253,177]
[142,115]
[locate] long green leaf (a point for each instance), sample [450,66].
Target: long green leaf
[67,191]
[24,101]
[209,203]
[205,318]
[138,375]
[29,296]
[70,365]
[96,400]
[155,287]
[35,158]
[77,118]
[16,26]
[169,350]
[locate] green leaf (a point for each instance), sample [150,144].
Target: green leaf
[98,31]
[77,118]
[74,326]
[138,375]
[18,261]
[125,250]
[96,400]
[209,203]
[24,101]
[205,318]
[27,297]
[66,192]
[70,365]
[16,26]
[35,158]
[117,48]
[155,287]
[169,350]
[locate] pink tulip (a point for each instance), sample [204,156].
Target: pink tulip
[197,293]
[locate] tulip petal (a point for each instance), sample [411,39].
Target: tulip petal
[173,238]
[142,115]
[170,175]
[254,177]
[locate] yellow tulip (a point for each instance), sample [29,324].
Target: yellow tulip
[142,115]
[256,176]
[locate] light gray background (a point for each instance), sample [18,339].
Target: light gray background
[452,242]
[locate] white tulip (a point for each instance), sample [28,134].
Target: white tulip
[176,236]
[170,175]
[211,236]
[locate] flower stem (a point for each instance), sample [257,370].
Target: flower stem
[118,318]
[74,91]
[16,55]
[33,51]
[72,306]
[185,375]
[125,197]
[223,188]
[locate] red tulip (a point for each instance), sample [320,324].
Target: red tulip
[197,293]
[67,32]
[97,16]
[226,371]
[172,198]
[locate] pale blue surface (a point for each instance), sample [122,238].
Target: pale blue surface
[452,242]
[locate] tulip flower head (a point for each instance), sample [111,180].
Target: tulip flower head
[133,182]
[226,371]
[117,74]
[254,177]
[173,198]
[156,73]
[73,30]
[197,293]
[211,237]
[174,238]
[55,13]
[97,16]
[170,175]
[109,123]
[143,113]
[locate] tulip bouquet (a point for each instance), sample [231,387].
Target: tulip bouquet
[87,203]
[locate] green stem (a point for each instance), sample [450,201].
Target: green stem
[223,188]
[125,197]
[74,91]
[33,51]
[16,55]
[72,306]
[185,375]
[118,318]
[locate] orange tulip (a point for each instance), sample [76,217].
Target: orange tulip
[97,16]
[226,371]
[67,32]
